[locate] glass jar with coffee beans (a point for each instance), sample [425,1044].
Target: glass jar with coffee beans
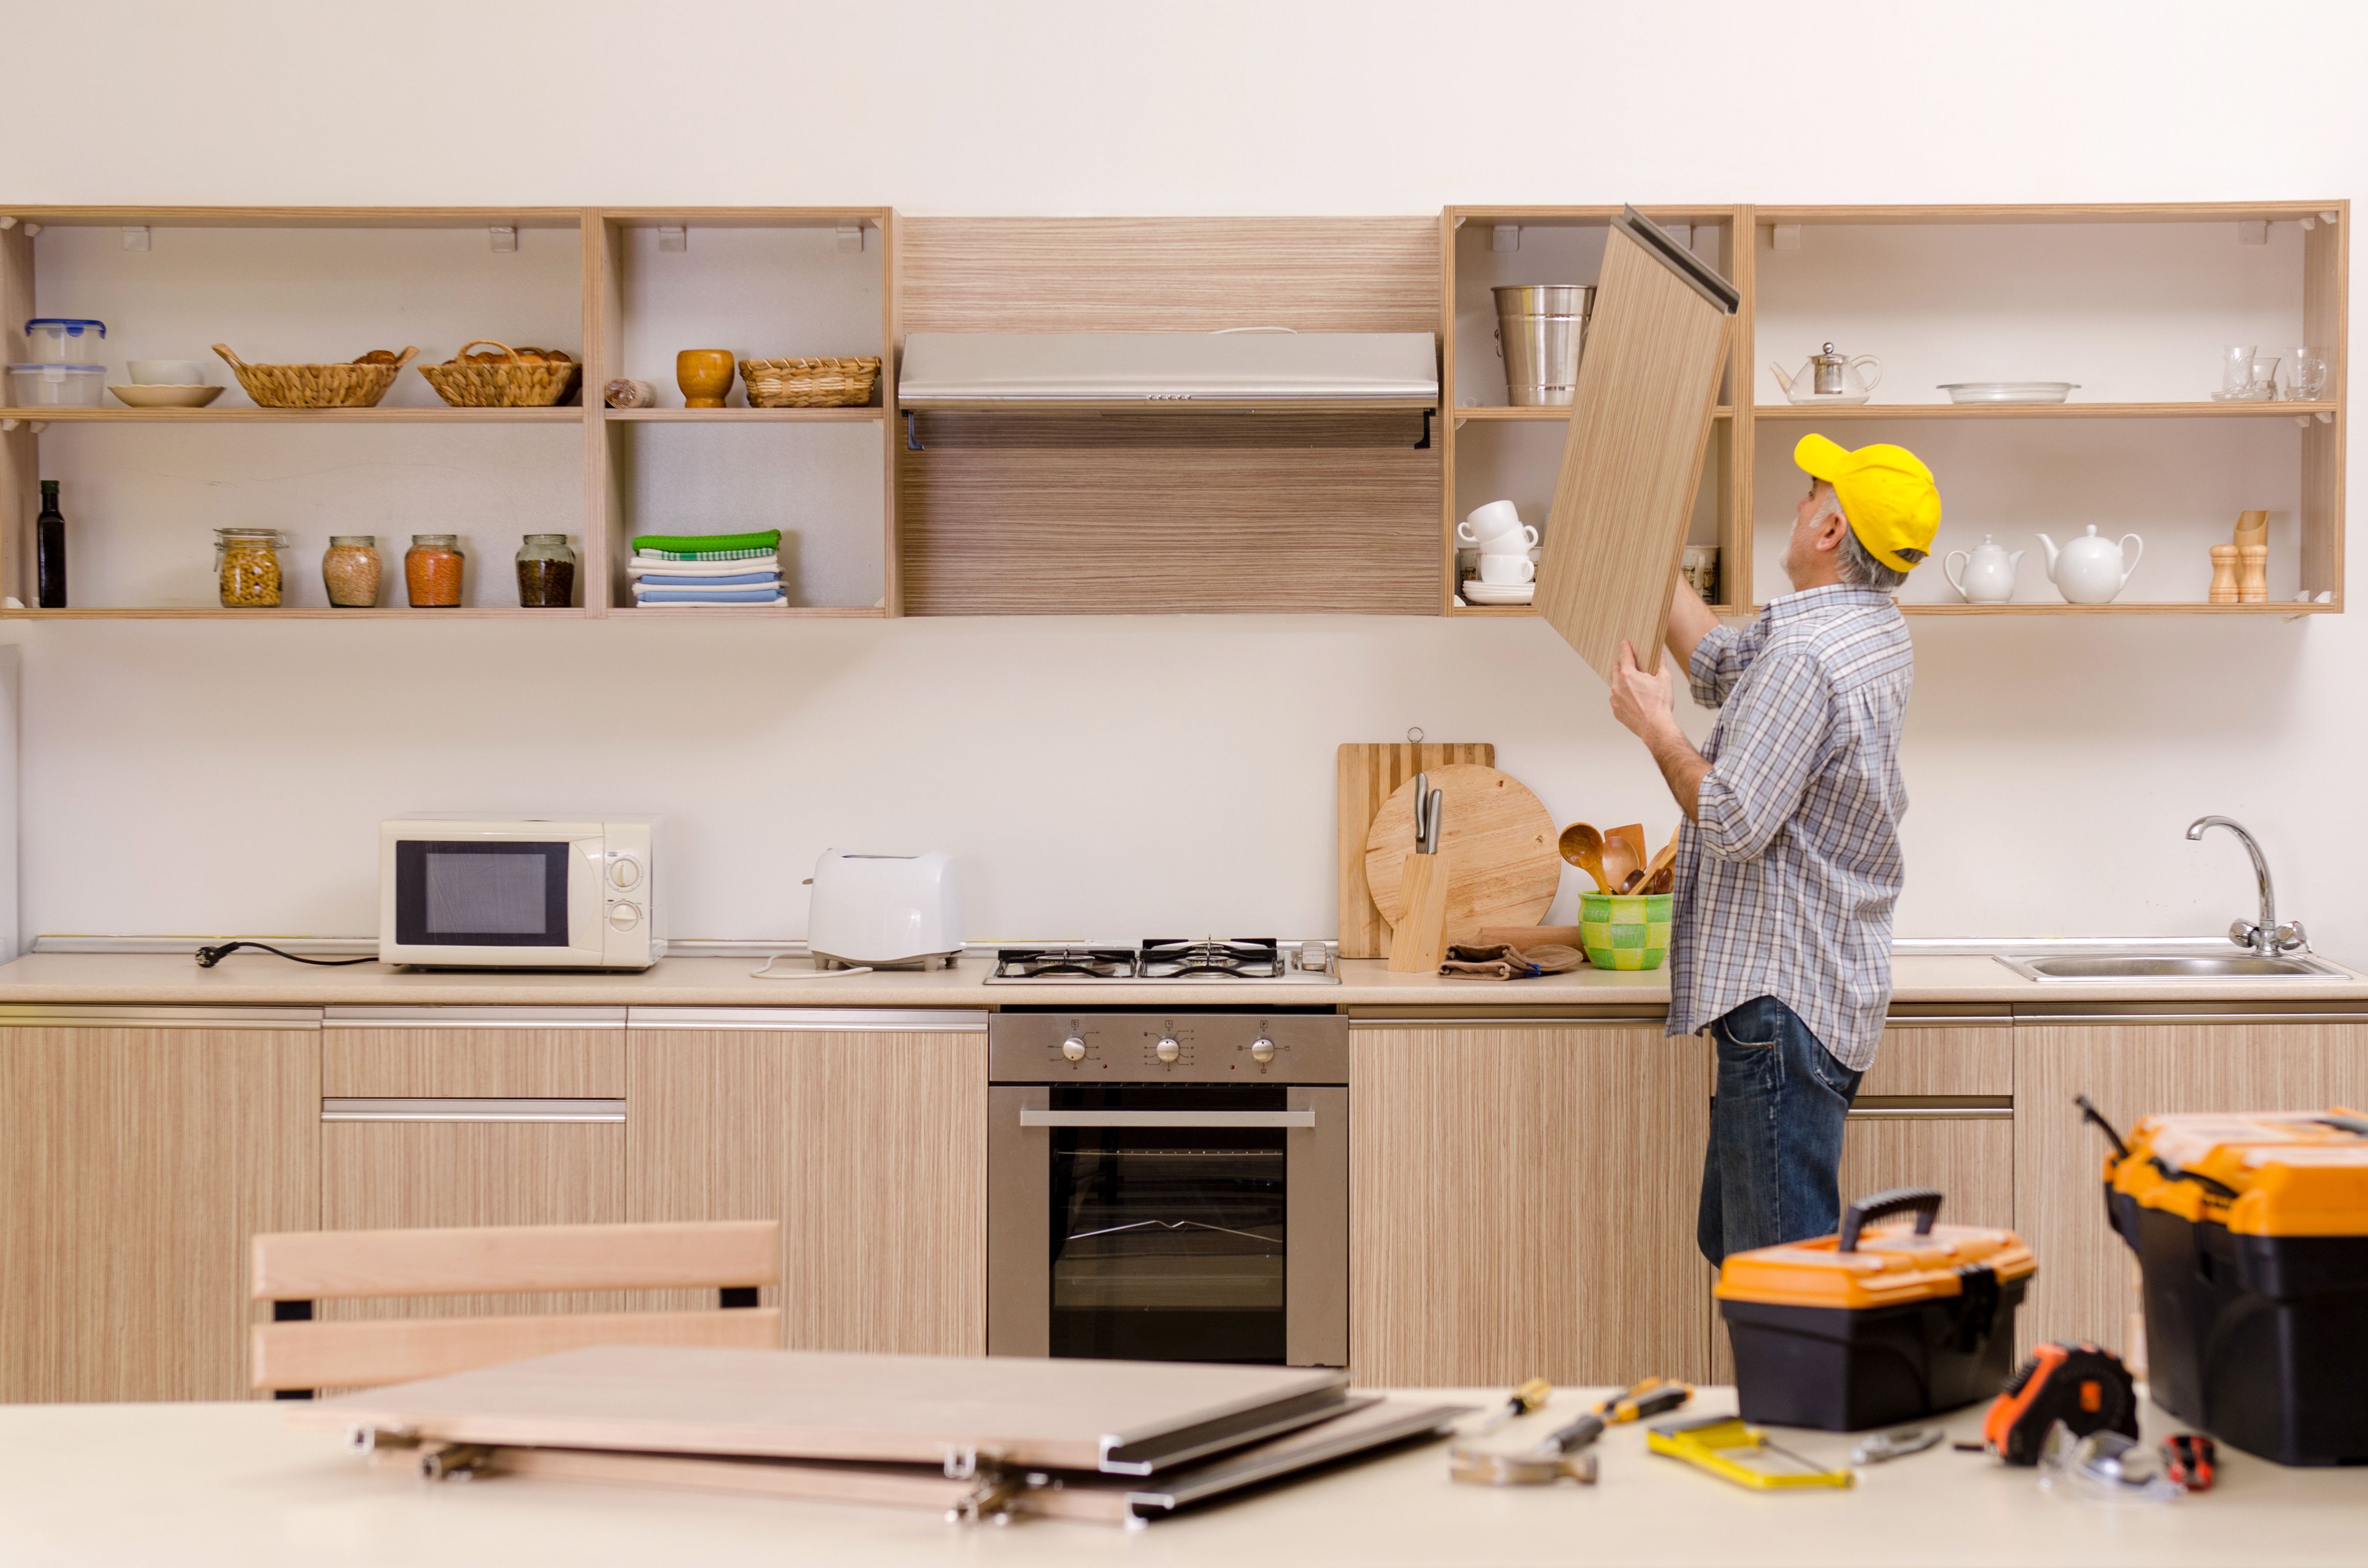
[432,571]
[546,571]
[351,571]
[247,563]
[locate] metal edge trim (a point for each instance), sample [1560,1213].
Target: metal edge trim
[899,1020]
[53,1015]
[1030,1116]
[457,1107]
[1362,1020]
[2249,1012]
[1259,1415]
[1436,1420]
[1697,274]
[473,1016]
[1931,1113]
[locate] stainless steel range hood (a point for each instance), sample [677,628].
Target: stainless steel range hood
[1240,369]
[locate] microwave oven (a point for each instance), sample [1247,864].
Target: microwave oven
[519,892]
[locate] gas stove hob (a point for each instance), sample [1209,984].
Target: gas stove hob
[1168,961]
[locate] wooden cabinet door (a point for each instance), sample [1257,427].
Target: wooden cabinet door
[140,1148]
[1937,1109]
[864,1134]
[1521,1203]
[2131,1069]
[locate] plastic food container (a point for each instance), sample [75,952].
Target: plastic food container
[2252,1234]
[56,386]
[1871,1327]
[62,340]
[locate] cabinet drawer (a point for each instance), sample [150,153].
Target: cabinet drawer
[1942,1059]
[499,1054]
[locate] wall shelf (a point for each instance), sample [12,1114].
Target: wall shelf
[744,415]
[1794,411]
[1506,411]
[298,613]
[565,414]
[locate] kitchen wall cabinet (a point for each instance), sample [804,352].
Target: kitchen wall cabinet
[863,1133]
[1522,1202]
[140,1148]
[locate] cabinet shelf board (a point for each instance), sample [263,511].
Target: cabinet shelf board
[2095,212]
[743,416]
[744,217]
[1792,411]
[438,415]
[748,612]
[310,612]
[2286,607]
[300,217]
[1562,411]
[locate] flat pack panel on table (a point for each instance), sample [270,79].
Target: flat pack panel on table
[1639,423]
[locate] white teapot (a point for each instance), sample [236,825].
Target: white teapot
[2090,571]
[1987,577]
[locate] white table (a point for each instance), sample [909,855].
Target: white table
[199,1484]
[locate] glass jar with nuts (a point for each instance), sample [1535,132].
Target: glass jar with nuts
[247,563]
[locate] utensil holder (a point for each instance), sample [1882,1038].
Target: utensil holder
[1418,941]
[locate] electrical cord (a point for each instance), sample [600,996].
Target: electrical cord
[209,957]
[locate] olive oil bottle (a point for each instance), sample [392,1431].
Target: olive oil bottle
[50,550]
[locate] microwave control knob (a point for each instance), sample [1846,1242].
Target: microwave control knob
[1168,1049]
[1074,1048]
[1263,1049]
[625,916]
[625,871]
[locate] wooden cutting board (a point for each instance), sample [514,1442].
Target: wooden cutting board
[1367,775]
[1502,866]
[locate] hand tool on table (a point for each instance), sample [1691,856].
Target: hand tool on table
[1557,1456]
[1731,1450]
[2188,1458]
[2087,1389]
[1523,1401]
[1897,1445]
[1650,1396]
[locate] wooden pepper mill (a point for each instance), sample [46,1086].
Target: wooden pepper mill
[1418,941]
[2224,574]
[2252,541]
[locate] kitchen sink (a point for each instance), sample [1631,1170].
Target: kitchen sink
[2170,966]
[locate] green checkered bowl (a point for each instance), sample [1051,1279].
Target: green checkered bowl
[1624,930]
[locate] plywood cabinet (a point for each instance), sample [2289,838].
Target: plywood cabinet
[864,1135]
[1521,1203]
[138,1150]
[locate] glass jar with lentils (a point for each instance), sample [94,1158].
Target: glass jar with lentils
[247,563]
[432,571]
[349,571]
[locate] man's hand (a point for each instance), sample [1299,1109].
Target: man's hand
[1645,703]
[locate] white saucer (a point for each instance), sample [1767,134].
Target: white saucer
[166,397]
[1479,592]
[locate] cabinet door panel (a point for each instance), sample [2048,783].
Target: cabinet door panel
[1942,1059]
[494,1063]
[1971,1161]
[1521,1203]
[135,1162]
[2130,1070]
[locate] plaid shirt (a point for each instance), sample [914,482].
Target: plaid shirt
[1786,880]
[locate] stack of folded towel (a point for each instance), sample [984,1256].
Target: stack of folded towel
[707,569]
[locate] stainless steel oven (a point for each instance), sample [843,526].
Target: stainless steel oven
[1169,1186]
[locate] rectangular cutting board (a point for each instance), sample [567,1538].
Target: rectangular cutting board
[1367,775]
[1639,424]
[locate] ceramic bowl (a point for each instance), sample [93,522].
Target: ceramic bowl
[166,396]
[1625,930]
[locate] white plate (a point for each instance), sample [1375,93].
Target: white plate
[1479,592]
[166,397]
[2009,392]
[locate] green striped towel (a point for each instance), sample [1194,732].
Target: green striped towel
[766,554]
[698,545]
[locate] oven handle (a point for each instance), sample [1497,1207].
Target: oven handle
[1029,1115]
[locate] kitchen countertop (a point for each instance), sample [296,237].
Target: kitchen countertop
[251,979]
[201,1484]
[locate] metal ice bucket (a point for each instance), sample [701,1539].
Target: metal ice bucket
[1539,329]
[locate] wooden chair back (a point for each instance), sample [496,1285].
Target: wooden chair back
[295,1353]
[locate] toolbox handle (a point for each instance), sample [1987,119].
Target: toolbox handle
[1924,1200]
[2358,1124]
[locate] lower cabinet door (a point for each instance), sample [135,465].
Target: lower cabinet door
[1968,1158]
[1521,1203]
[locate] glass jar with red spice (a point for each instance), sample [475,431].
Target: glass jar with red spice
[432,571]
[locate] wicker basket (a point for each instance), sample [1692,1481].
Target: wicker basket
[315,386]
[809,383]
[514,383]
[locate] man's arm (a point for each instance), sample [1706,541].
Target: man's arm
[1647,705]
[1690,621]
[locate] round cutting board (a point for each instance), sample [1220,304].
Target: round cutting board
[1502,866]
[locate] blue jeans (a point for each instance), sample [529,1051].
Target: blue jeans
[1770,1174]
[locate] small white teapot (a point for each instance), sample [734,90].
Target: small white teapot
[2090,571]
[1987,577]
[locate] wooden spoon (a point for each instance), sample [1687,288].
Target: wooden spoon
[1583,847]
[1624,853]
[1661,876]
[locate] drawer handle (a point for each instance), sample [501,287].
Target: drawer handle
[453,1107]
[1032,1117]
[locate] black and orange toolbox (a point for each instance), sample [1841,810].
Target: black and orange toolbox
[1865,1328]
[2252,1234]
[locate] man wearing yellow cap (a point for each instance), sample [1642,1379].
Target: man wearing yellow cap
[1788,862]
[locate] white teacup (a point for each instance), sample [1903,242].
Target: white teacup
[1497,568]
[166,372]
[1495,527]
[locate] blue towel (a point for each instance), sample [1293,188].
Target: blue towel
[738,580]
[764,595]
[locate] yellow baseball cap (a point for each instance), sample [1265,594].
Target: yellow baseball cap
[1887,496]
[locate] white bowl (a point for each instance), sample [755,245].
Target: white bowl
[2009,392]
[166,372]
[166,396]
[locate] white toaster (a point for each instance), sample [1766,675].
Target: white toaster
[884,909]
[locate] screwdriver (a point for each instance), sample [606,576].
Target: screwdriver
[1521,1402]
[1650,1397]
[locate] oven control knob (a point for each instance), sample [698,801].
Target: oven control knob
[624,871]
[1073,1049]
[1261,1050]
[1168,1049]
[625,916]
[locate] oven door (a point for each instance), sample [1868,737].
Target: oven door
[464,895]
[1168,1222]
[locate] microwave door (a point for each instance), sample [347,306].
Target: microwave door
[511,900]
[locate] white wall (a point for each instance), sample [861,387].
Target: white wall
[213,778]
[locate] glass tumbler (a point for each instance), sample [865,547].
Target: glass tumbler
[2307,376]
[2261,380]
[2235,369]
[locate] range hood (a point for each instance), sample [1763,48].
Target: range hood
[1260,368]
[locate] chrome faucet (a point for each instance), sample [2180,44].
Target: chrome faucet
[2263,936]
